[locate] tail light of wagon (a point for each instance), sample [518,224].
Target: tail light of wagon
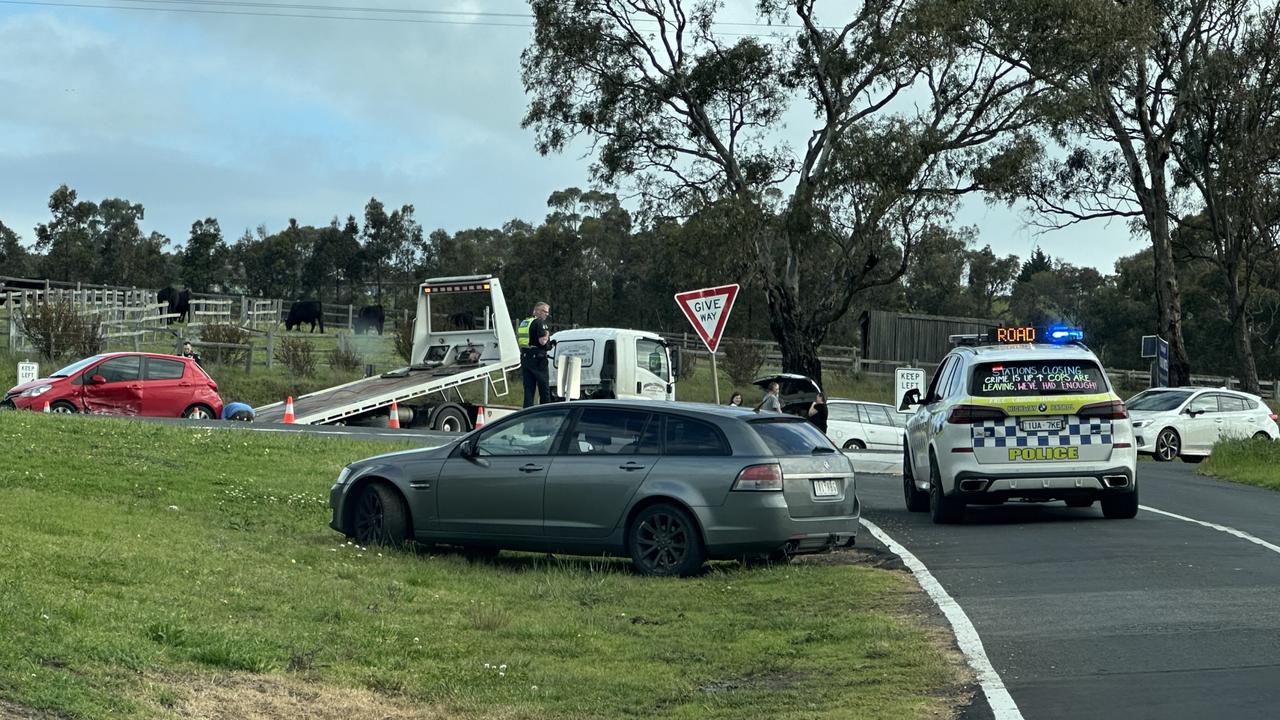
[760,478]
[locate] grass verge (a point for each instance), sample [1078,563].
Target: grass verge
[159,571]
[1252,462]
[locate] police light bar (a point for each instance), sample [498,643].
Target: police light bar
[1021,335]
[455,287]
[1059,334]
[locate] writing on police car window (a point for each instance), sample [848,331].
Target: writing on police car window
[1037,378]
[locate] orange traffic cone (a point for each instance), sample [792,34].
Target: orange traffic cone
[394,421]
[46,406]
[479,417]
[288,410]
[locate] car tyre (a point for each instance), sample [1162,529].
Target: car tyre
[450,419]
[917,500]
[1121,507]
[1192,459]
[1080,503]
[942,509]
[64,407]
[380,516]
[663,540]
[198,412]
[1261,436]
[855,445]
[1168,445]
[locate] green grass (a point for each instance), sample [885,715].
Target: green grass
[149,568]
[1252,462]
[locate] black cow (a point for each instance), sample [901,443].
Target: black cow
[371,317]
[305,311]
[177,302]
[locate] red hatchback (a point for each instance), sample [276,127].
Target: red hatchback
[127,383]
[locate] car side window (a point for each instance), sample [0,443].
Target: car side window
[607,431]
[529,435]
[941,381]
[937,377]
[120,369]
[159,369]
[1250,403]
[1204,404]
[842,412]
[1230,403]
[686,436]
[878,415]
[955,383]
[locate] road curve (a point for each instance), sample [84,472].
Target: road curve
[1084,617]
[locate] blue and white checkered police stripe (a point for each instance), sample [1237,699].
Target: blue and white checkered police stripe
[1076,431]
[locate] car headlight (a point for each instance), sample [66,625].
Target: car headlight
[342,476]
[36,391]
[1139,423]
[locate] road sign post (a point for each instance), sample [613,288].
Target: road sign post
[904,380]
[708,311]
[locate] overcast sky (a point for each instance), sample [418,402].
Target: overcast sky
[254,120]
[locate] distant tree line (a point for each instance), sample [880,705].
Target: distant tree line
[596,265]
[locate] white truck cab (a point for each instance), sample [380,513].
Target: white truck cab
[618,363]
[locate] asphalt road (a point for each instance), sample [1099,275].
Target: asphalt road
[1084,617]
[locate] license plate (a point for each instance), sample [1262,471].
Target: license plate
[826,488]
[1035,424]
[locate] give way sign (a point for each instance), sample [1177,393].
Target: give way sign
[708,311]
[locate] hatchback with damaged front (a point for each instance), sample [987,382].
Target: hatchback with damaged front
[669,486]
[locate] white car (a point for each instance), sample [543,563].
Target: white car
[1185,422]
[855,425]
[1026,421]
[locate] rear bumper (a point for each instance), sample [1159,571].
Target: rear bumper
[977,487]
[755,523]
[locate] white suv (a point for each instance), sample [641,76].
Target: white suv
[1030,421]
[1186,422]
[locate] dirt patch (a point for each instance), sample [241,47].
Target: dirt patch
[262,697]
[868,557]
[10,711]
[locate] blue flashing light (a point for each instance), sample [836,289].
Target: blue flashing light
[1061,334]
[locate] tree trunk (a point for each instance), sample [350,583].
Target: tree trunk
[799,346]
[1168,296]
[1241,333]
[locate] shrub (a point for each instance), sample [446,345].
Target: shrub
[60,331]
[230,334]
[344,357]
[404,339]
[742,359]
[296,355]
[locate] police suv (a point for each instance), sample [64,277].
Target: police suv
[1019,414]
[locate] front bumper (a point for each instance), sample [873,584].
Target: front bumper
[756,523]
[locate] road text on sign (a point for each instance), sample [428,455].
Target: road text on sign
[28,372]
[708,311]
[906,379]
[1016,335]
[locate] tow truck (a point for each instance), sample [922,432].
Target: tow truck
[463,336]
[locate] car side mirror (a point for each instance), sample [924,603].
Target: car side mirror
[1193,413]
[676,362]
[97,380]
[912,397]
[468,448]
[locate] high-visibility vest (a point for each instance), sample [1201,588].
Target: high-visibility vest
[522,331]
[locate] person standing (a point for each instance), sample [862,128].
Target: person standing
[535,341]
[771,401]
[818,413]
[187,351]
[735,400]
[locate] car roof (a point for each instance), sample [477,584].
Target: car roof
[1037,351]
[837,401]
[687,408]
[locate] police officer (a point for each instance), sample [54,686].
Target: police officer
[187,351]
[535,341]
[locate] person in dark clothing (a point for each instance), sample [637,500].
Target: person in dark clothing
[187,351]
[818,413]
[535,343]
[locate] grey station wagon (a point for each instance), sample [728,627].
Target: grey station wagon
[668,485]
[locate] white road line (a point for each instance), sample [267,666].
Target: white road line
[1002,705]
[1214,526]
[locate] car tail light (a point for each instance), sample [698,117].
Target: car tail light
[1111,410]
[1275,418]
[971,414]
[759,478]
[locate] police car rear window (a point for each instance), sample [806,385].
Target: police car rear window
[1024,378]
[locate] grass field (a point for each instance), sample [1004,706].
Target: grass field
[159,571]
[1252,462]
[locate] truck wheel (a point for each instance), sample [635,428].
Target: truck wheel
[917,500]
[451,419]
[380,516]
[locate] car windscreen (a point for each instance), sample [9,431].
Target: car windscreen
[76,367]
[792,437]
[1158,400]
[1026,378]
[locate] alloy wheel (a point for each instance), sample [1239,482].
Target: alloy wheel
[1167,445]
[369,525]
[663,541]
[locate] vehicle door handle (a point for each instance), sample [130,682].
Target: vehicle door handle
[135,387]
[632,466]
[184,384]
[530,468]
[420,484]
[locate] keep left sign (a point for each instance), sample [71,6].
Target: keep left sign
[708,311]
